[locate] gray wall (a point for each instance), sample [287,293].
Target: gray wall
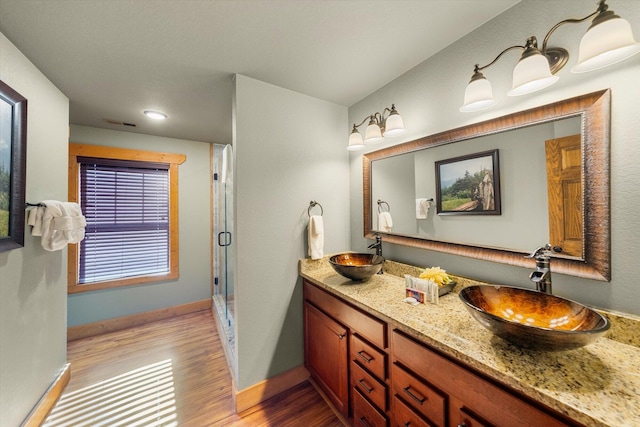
[429,95]
[288,152]
[194,283]
[33,282]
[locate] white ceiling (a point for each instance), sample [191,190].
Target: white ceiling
[115,58]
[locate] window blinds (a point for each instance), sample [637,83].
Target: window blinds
[126,205]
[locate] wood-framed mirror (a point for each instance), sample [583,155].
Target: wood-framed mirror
[13,151]
[529,207]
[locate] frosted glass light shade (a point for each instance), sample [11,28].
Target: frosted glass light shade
[605,44]
[531,74]
[372,134]
[156,115]
[477,96]
[355,141]
[394,125]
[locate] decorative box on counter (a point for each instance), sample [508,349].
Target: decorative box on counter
[422,297]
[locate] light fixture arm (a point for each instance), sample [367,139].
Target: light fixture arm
[378,118]
[478,68]
[602,7]
[355,126]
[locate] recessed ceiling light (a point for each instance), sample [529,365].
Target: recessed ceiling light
[156,115]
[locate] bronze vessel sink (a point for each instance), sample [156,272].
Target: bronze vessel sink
[355,266]
[533,319]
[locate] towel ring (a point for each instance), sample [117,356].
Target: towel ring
[313,204]
[382,202]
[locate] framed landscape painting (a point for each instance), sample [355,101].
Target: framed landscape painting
[13,150]
[468,185]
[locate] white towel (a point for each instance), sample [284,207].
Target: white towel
[59,223]
[422,208]
[316,236]
[35,220]
[385,222]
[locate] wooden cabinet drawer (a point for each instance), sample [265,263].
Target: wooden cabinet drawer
[372,329]
[403,416]
[369,386]
[374,360]
[468,420]
[420,396]
[365,414]
[493,402]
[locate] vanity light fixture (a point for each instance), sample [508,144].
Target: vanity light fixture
[156,115]
[608,40]
[379,126]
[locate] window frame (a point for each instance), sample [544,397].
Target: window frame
[97,151]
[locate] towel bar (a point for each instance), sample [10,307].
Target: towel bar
[35,205]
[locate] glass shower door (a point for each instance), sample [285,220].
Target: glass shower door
[223,253]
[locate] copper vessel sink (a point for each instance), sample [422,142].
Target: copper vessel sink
[533,319]
[355,266]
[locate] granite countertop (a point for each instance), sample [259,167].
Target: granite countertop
[596,385]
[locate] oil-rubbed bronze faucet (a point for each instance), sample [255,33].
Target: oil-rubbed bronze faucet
[378,247]
[541,276]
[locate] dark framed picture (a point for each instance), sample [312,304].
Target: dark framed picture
[468,185]
[13,160]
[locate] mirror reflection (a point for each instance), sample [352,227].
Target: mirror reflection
[552,181]
[537,165]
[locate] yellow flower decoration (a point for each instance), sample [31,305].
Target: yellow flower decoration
[436,274]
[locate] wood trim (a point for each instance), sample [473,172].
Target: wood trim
[73,251]
[174,225]
[322,394]
[119,323]
[258,393]
[594,109]
[76,150]
[89,150]
[49,399]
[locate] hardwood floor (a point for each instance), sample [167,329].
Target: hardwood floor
[169,373]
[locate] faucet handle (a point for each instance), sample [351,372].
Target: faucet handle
[542,250]
[545,250]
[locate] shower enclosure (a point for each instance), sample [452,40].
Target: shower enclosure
[222,247]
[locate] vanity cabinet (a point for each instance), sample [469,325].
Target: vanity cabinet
[376,375]
[442,389]
[346,355]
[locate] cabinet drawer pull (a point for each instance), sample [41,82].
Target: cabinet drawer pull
[364,422]
[341,336]
[408,423]
[462,425]
[365,356]
[365,386]
[420,399]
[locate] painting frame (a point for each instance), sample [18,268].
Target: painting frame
[476,191]
[13,146]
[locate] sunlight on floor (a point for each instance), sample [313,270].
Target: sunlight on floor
[142,397]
